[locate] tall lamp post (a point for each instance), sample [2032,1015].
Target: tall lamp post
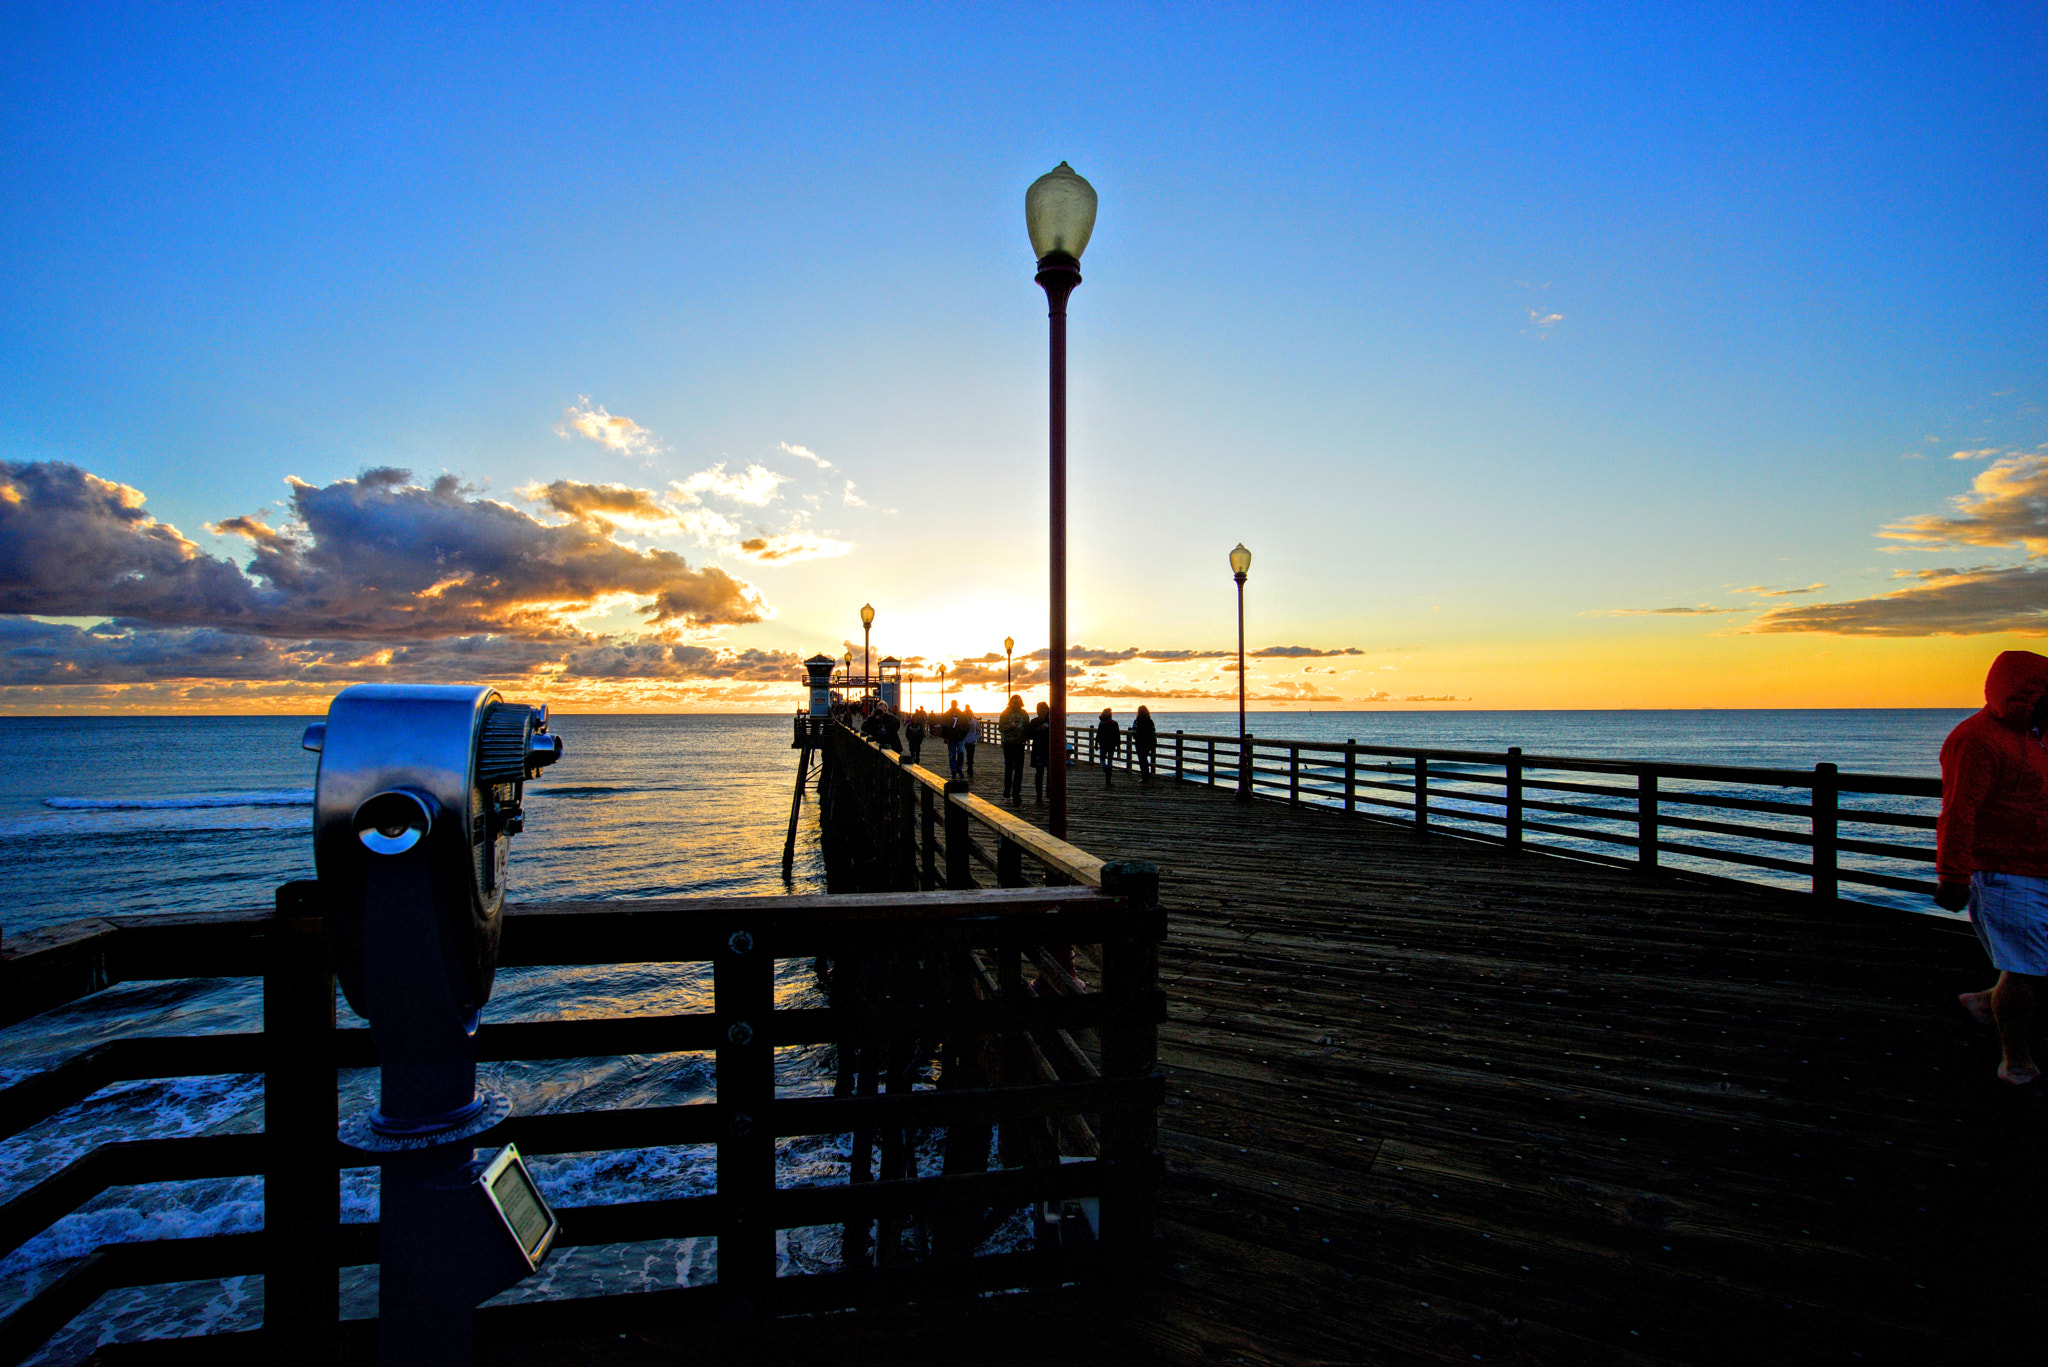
[1009,644]
[867,622]
[1059,213]
[1240,565]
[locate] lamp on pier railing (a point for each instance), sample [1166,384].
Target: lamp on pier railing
[1240,565]
[867,622]
[849,671]
[1009,644]
[1059,213]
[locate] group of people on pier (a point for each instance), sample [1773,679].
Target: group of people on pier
[1109,737]
[1023,735]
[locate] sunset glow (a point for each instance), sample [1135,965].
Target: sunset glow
[1603,359]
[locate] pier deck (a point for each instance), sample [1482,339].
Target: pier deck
[1432,1102]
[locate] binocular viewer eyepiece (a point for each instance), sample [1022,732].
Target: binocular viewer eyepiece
[395,820]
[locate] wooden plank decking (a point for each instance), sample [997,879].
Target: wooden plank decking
[1430,1102]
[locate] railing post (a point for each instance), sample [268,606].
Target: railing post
[959,869]
[1421,793]
[1350,775]
[1826,817]
[1514,798]
[1130,1053]
[1247,771]
[929,833]
[1009,863]
[904,870]
[1177,775]
[1294,775]
[301,1182]
[1211,778]
[1646,819]
[743,996]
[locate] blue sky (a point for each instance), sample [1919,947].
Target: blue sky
[1511,338]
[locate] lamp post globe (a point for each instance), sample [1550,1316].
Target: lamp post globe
[867,622]
[1240,565]
[1059,214]
[1009,645]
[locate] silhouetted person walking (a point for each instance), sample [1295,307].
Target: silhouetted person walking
[1038,737]
[1144,740]
[1109,734]
[1010,726]
[953,731]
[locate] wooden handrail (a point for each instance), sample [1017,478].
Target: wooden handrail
[1492,793]
[742,937]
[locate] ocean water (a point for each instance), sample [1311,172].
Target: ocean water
[101,815]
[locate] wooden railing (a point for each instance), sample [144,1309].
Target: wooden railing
[304,1241]
[927,831]
[1791,823]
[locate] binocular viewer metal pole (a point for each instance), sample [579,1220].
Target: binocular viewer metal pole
[420,791]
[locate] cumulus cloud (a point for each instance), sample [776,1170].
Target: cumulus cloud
[756,486]
[787,547]
[616,433]
[1939,602]
[37,654]
[852,499]
[75,545]
[373,558]
[707,525]
[606,506]
[806,453]
[623,659]
[2007,505]
[605,502]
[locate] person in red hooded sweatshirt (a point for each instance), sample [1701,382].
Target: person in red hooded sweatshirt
[1991,847]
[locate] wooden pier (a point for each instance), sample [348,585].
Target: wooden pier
[1434,1100]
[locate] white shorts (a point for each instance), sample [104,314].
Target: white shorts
[2010,913]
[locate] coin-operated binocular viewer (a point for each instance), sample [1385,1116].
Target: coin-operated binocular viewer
[418,797]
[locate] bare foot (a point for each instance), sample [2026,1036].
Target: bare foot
[1978,1004]
[2024,1075]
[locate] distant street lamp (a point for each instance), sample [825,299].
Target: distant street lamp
[1240,564]
[942,688]
[867,621]
[849,671]
[1059,213]
[1009,644]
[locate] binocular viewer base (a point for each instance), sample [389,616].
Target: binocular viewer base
[359,1131]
